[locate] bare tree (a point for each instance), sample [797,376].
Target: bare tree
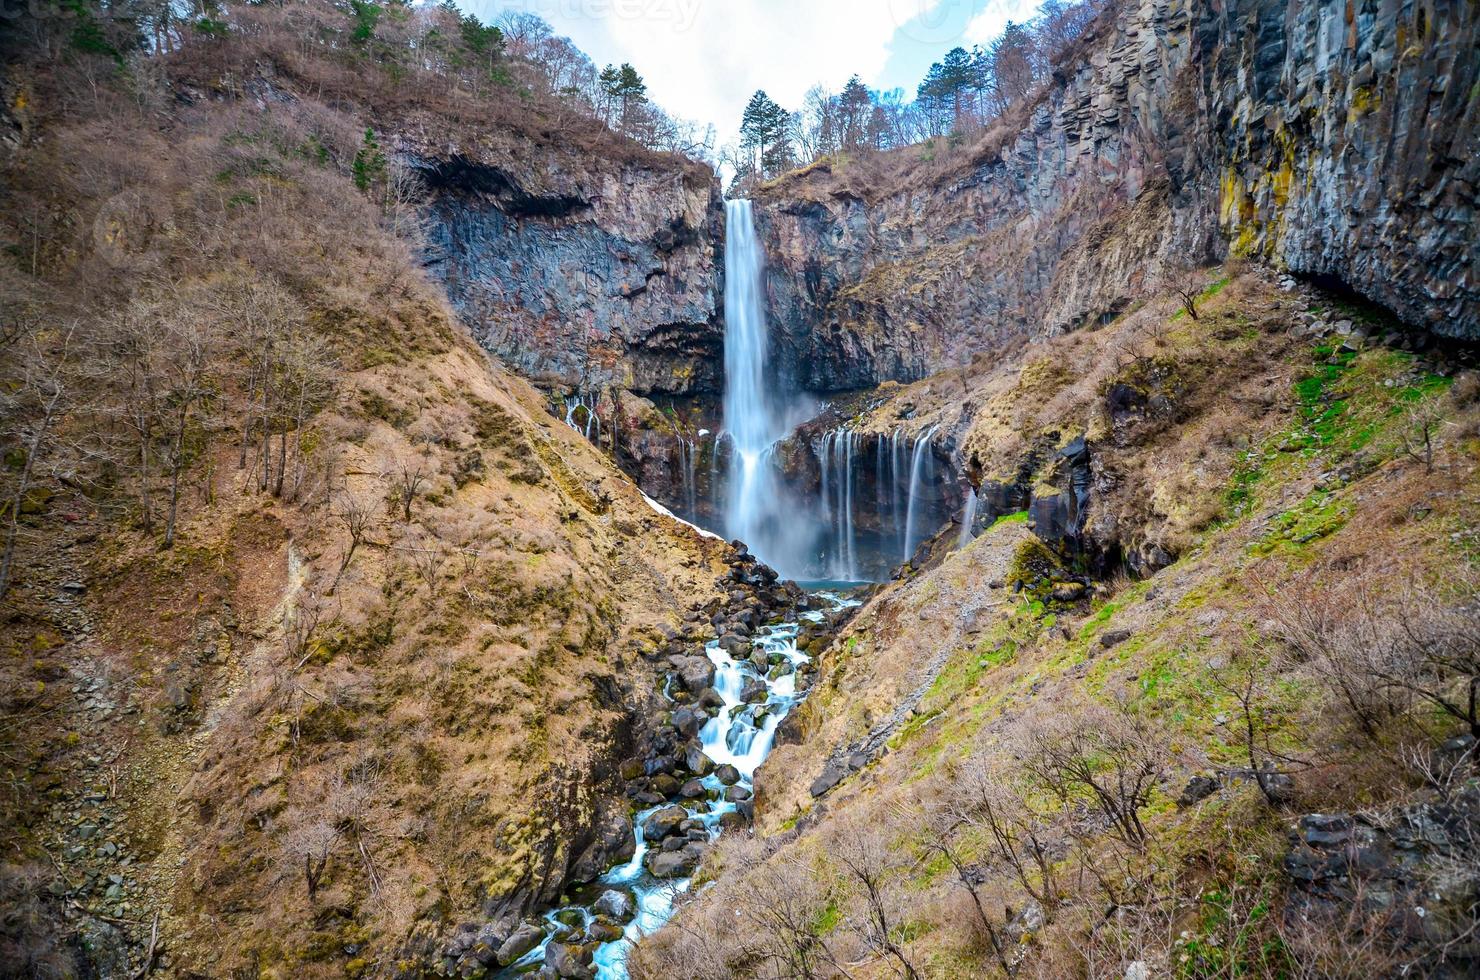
[1270,769]
[311,843]
[411,476]
[1113,755]
[190,352]
[1186,281]
[1018,838]
[356,514]
[781,913]
[1423,422]
[301,624]
[941,840]
[34,402]
[870,866]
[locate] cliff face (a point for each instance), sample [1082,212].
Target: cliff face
[1329,139]
[580,271]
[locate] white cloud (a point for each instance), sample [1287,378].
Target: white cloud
[703,59]
[988,24]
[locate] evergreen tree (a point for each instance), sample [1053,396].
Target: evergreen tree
[626,90]
[855,109]
[764,132]
[366,14]
[369,166]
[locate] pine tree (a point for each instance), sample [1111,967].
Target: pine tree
[626,90]
[369,166]
[855,108]
[764,130]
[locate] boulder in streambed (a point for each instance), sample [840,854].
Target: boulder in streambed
[728,774]
[698,763]
[696,674]
[570,961]
[524,939]
[661,823]
[616,904]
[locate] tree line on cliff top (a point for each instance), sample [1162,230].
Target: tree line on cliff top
[962,93]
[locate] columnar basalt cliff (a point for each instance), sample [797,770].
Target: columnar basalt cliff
[582,272]
[1334,140]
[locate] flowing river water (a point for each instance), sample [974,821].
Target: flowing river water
[740,734]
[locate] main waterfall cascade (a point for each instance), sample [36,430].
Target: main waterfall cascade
[801,539]
[835,505]
[756,420]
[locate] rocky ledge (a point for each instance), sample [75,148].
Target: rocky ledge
[582,272]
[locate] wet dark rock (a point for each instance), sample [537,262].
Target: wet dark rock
[687,722]
[697,674]
[661,823]
[604,931]
[614,842]
[697,762]
[1198,789]
[727,774]
[524,939]
[833,772]
[569,961]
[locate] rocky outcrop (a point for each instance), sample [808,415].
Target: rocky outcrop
[1334,140]
[582,272]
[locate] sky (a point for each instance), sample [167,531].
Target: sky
[703,59]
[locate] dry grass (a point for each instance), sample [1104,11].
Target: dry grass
[1202,892]
[419,727]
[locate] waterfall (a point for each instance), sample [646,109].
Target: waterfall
[592,425]
[918,471]
[850,550]
[754,512]
[837,490]
[688,476]
[896,448]
[968,519]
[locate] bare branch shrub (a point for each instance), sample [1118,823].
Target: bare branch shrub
[357,515]
[1113,757]
[872,869]
[1401,656]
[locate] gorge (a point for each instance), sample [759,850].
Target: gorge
[460,522]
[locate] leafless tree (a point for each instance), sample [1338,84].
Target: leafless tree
[35,399]
[1112,754]
[940,840]
[301,624]
[871,868]
[1186,281]
[356,514]
[1019,839]
[310,843]
[411,476]
[1270,769]
[781,914]
[189,353]
[1419,435]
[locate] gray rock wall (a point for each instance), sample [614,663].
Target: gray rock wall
[1328,138]
[603,276]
